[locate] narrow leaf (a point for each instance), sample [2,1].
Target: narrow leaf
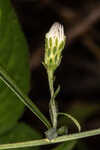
[72,118]
[12,85]
[57,91]
[15,58]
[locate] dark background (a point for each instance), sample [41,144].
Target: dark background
[79,72]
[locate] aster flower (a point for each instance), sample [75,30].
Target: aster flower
[54,44]
[55,35]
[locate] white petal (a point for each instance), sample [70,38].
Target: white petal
[56,32]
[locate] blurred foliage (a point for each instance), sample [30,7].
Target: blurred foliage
[20,133]
[14,58]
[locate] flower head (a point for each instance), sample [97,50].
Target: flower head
[56,34]
[54,44]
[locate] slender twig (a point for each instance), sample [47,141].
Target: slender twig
[56,140]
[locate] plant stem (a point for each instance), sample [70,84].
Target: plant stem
[53,110]
[12,85]
[51,80]
[56,140]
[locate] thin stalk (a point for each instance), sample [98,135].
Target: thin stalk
[12,85]
[53,110]
[51,80]
[59,139]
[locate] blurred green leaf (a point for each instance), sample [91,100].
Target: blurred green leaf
[13,57]
[20,133]
[66,146]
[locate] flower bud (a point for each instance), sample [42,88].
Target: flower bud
[54,44]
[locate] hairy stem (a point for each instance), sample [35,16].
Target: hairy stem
[53,111]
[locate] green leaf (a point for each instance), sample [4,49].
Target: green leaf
[13,57]
[66,146]
[20,133]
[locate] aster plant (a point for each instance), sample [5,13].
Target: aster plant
[54,45]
